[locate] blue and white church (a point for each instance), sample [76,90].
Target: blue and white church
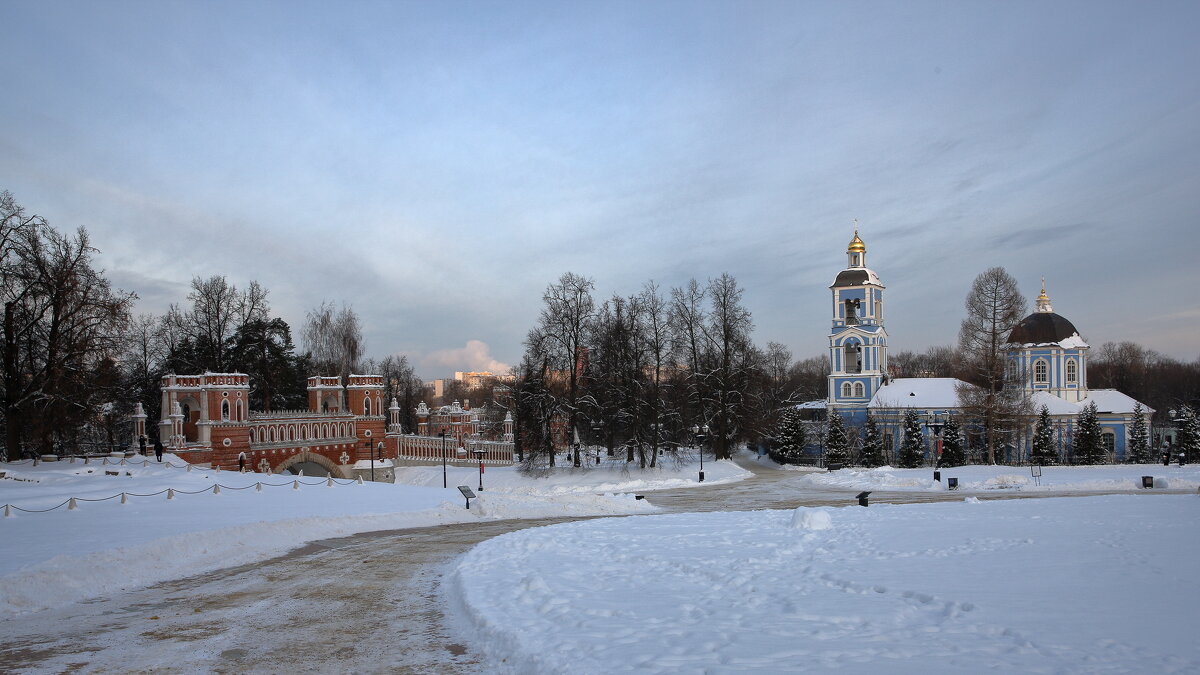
[1045,355]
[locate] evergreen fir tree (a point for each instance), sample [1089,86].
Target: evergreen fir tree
[837,448]
[1139,439]
[1089,443]
[952,444]
[1188,438]
[790,434]
[912,450]
[1043,451]
[872,451]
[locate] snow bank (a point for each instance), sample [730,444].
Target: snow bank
[567,480]
[104,547]
[978,478]
[932,588]
[804,518]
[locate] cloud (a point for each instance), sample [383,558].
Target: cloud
[474,357]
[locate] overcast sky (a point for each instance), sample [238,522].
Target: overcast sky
[437,164]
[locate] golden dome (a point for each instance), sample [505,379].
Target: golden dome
[856,245]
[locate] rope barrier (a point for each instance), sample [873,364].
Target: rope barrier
[72,502]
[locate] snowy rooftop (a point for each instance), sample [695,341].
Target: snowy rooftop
[918,392]
[1106,400]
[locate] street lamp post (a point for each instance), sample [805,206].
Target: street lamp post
[379,447]
[445,483]
[371,450]
[700,433]
[1176,421]
[935,426]
[479,452]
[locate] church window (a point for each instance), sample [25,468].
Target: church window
[1110,442]
[225,410]
[879,311]
[846,390]
[858,389]
[1041,372]
[1072,372]
[367,405]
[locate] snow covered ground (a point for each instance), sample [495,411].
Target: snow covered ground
[978,478]
[565,480]
[62,556]
[1060,585]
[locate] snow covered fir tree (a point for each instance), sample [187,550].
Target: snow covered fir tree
[912,450]
[1044,364]
[1044,451]
[952,444]
[790,436]
[1089,441]
[872,449]
[837,443]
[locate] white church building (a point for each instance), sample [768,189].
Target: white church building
[1046,357]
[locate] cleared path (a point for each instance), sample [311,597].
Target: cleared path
[367,603]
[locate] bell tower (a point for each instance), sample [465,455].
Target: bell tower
[857,339]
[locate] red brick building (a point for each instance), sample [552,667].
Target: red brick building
[207,420]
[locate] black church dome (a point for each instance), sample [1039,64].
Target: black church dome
[1041,328]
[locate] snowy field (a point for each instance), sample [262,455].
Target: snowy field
[977,478]
[565,480]
[63,556]
[1063,585]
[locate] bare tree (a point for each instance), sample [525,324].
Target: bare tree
[62,331]
[733,363]
[560,340]
[994,306]
[334,339]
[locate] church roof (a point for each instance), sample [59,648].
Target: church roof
[1046,328]
[856,276]
[929,393]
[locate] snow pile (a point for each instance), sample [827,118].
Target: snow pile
[978,478]
[804,518]
[103,547]
[933,588]
[608,478]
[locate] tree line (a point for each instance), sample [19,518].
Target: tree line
[76,361]
[645,374]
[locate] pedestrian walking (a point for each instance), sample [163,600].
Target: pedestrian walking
[158,449]
[142,445]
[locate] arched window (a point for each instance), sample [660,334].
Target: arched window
[853,355]
[225,410]
[252,434]
[271,435]
[367,405]
[846,390]
[858,389]
[1041,372]
[238,408]
[1072,371]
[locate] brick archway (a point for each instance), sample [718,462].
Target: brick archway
[306,456]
